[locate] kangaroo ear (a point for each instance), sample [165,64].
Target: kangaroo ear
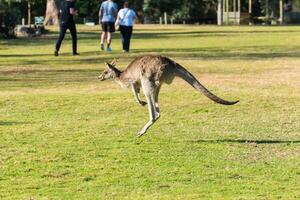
[108,65]
[113,62]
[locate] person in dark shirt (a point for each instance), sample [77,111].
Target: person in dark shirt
[67,11]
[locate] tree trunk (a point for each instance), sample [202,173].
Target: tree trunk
[51,17]
[220,12]
[281,11]
[29,13]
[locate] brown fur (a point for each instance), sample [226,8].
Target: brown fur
[149,72]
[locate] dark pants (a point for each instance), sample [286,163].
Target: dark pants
[63,28]
[126,32]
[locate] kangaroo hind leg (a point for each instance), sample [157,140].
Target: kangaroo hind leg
[149,91]
[157,112]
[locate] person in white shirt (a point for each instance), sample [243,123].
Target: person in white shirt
[125,21]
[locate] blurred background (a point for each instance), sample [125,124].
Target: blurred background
[45,12]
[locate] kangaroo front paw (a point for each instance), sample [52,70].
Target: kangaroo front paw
[142,103]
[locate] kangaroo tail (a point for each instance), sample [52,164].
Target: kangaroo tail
[188,77]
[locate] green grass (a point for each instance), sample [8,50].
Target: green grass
[64,135]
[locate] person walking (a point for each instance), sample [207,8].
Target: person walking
[107,15]
[67,11]
[125,21]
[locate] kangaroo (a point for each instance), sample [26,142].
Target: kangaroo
[149,72]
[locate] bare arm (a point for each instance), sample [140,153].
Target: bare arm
[100,14]
[116,12]
[117,20]
[73,11]
[136,19]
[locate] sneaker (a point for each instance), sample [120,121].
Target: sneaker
[102,47]
[55,53]
[108,49]
[75,54]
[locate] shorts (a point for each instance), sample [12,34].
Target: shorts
[108,27]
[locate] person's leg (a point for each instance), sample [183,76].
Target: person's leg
[125,39]
[128,37]
[73,31]
[103,37]
[110,30]
[62,33]
[123,34]
[109,39]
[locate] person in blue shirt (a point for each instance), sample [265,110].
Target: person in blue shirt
[125,21]
[107,15]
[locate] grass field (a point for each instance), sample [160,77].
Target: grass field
[65,135]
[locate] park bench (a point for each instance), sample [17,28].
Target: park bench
[39,25]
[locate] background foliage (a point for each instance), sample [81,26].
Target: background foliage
[149,11]
[191,11]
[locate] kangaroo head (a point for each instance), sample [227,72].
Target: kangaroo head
[111,72]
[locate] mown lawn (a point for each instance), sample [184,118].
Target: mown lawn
[65,135]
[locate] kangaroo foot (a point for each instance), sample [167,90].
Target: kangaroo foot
[140,134]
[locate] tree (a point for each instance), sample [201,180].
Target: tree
[269,8]
[51,16]
[29,12]
[153,9]
[8,18]
[29,3]
[191,11]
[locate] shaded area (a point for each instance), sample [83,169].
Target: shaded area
[246,53]
[248,141]
[11,123]
[249,52]
[141,34]
[228,53]
[58,61]
[28,71]
[61,55]
[51,76]
[44,78]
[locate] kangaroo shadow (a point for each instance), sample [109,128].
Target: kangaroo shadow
[248,141]
[11,123]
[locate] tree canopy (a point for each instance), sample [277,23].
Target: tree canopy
[191,11]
